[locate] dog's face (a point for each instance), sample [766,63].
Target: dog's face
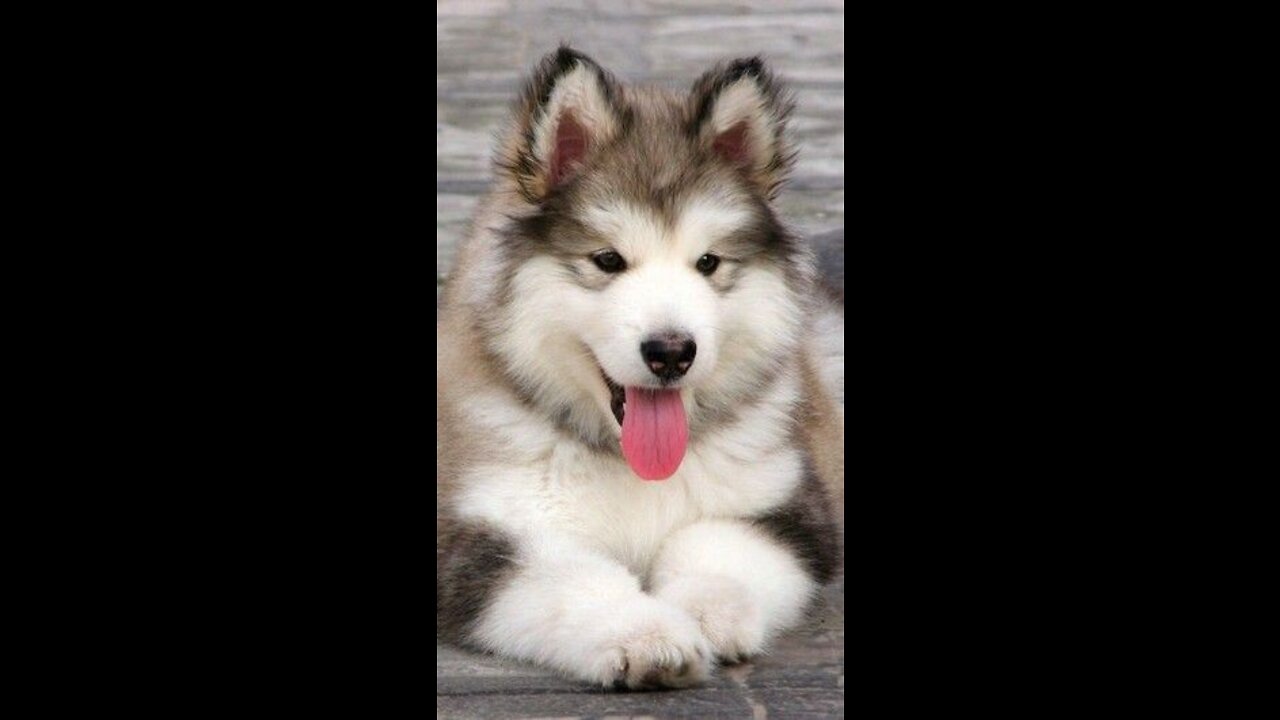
[651,288]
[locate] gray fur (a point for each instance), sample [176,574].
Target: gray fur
[806,526]
[472,562]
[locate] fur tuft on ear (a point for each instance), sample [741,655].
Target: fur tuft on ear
[569,107]
[739,111]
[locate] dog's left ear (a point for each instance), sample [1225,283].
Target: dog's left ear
[739,111]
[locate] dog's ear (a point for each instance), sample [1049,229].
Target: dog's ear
[569,107]
[739,111]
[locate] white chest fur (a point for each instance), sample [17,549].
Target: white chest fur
[552,485]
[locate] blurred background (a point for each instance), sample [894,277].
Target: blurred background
[485,48]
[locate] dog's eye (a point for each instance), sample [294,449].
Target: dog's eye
[609,261]
[708,263]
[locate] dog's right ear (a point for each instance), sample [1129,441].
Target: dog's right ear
[568,108]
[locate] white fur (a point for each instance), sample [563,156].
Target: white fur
[706,219]
[618,579]
[614,323]
[588,532]
[559,332]
[552,485]
[741,587]
[578,611]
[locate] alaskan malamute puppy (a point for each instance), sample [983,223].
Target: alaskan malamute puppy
[639,404]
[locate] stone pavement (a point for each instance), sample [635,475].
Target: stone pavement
[483,50]
[802,677]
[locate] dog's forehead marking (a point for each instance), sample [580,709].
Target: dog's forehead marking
[627,227]
[705,219]
[636,231]
[619,218]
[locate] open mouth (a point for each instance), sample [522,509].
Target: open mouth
[655,431]
[617,398]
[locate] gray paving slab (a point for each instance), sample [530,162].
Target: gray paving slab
[802,676]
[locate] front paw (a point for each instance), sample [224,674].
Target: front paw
[728,617]
[654,646]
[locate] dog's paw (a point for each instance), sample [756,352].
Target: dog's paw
[730,621]
[656,646]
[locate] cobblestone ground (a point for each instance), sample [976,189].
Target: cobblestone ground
[483,50]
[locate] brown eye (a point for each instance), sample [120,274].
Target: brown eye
[708,263]
[609,261]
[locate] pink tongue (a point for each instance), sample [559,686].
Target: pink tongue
[654,432]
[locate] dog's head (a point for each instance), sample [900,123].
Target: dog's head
[649,285]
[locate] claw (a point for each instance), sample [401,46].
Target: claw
[652,679]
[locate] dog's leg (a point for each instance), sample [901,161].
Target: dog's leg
[746,581]
[741,586]
[569,608]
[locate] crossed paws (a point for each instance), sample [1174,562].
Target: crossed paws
[675,639]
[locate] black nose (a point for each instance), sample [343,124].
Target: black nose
[669,356]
